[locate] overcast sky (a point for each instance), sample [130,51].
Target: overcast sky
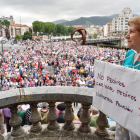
[51,10]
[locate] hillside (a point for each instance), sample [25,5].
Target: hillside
[96,20]
[59,21]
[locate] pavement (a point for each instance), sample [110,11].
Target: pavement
[8,46]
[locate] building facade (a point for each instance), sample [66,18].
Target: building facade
[108,29]
[120,22]
[105,30]
[4,31]
[17,29]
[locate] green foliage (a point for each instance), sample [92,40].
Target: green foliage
[38,26]
[61,29]
[2,22]
[7,23]
[70,29]
[18,37]
[95,35]
[27,35]
[49,28]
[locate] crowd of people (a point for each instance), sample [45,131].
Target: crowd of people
[71,65]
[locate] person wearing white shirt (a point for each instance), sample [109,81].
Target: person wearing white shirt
[82,83]
[25,107]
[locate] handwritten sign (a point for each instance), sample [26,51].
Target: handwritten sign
[117,94]
[49,69]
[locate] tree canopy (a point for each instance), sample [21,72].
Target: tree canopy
[27,35]
[2,22]
[49,27]
[6,23]
[18,37]
[61,29]
[38,26]
[70,29]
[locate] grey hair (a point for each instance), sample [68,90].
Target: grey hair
[95,110]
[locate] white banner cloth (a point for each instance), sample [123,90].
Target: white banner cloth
[117,94]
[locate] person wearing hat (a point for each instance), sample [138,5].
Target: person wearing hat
[44,112]
[61,108]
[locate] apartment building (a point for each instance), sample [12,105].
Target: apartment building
[108,29]
[120,22]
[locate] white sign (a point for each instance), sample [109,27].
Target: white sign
[117,94]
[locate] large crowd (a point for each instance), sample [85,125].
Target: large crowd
[71,65]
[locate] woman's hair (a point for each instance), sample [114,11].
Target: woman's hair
[136,22]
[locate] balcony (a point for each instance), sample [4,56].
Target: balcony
[53,130]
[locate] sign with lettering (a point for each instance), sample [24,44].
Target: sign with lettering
[48,69]
[117,94]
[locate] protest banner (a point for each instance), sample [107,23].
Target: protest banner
[117,94]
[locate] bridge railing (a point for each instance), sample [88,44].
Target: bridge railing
[34,95]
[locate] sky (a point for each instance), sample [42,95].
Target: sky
[52,10]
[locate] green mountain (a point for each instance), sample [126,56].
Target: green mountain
[59,21]
[96,20]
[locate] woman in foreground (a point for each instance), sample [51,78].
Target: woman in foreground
[132,60]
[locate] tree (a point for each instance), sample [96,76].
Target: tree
[61,29]
[18,37]
[2,22]
[27,35]
[7,23]
[49,28]
[38,26]
[70,29]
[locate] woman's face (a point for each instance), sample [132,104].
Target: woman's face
[133,38]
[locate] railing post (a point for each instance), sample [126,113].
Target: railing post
[85,119]
[15,122]
[68,116]
[52,117]
[35,119]
[102,123]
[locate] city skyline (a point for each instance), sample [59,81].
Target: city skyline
[49,11]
